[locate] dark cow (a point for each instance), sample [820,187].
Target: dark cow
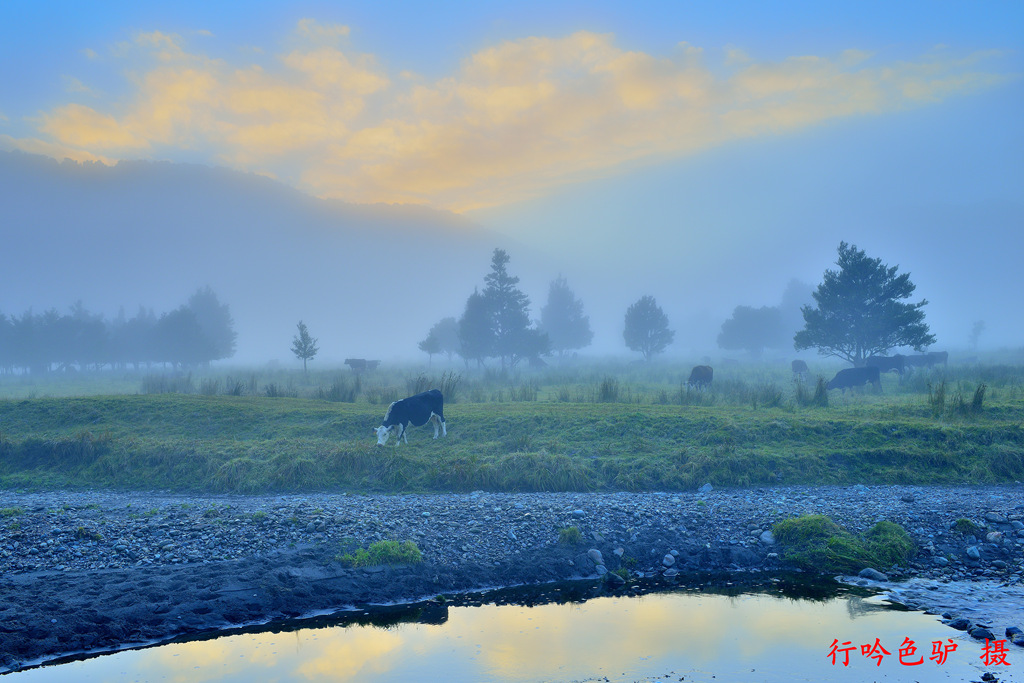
[895,363]
[927,360]
[800,369]
[851,378]
[417,410]
[918,361]
[700,377]
[358,365]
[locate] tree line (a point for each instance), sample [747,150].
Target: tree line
[857,311]
[194,334]
[495,322]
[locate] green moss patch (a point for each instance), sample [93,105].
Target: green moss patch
[384,552]
[816,542]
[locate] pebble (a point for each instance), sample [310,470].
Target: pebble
[714,528]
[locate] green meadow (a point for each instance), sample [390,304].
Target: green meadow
[595,427]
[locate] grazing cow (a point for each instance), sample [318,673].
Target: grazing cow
[800,369]
[700,377]
[886,363]
[915,361]
[418,410]
[358,365]
[927,360]
[851,378]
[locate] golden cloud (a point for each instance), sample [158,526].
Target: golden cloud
[79,126]
[516,119]
[50,149]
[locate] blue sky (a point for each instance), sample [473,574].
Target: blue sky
[718,148]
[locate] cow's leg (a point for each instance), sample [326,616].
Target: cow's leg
[444,429]
[433,421]
[405,432]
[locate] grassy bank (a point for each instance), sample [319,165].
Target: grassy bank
[254,444]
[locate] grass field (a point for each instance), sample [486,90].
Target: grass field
[599,427]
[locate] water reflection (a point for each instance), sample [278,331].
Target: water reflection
[692,635]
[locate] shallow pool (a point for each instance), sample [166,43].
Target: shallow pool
[683,635]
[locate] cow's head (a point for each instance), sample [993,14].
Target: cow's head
[382,433]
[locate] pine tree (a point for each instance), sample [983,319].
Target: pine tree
[562,319]
[509,309]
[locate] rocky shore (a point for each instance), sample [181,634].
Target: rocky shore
[88,571]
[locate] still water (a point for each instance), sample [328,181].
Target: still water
[688,635]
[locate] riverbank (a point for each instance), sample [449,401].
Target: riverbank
[88,571]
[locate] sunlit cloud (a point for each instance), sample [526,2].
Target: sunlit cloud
[515,119]
[50,149]
[76,125]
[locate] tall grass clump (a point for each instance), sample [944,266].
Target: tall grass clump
[807,399]
[341,391]
[524,391]
[209,386]
[381,395]
[937,398]
[767,395]
[608,390]
[449,386]
[978,398]
[278,390]
[164,384]
[234,387]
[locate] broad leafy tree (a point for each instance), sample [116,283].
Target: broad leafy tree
[476,338]
[430,346]
[754,330]
[214,319]
[304,346]
[562,319]
[180,340]
[859,311]
[443,337]
[646,328]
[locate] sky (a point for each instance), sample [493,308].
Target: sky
[705,153]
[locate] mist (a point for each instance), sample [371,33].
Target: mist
[370,281]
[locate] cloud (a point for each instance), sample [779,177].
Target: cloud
[310,28]
[515,119]
[56,151]
[74,85]
[75,125]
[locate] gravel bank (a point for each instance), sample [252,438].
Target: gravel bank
[85,571]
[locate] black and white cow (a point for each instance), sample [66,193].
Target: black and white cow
[417,410]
